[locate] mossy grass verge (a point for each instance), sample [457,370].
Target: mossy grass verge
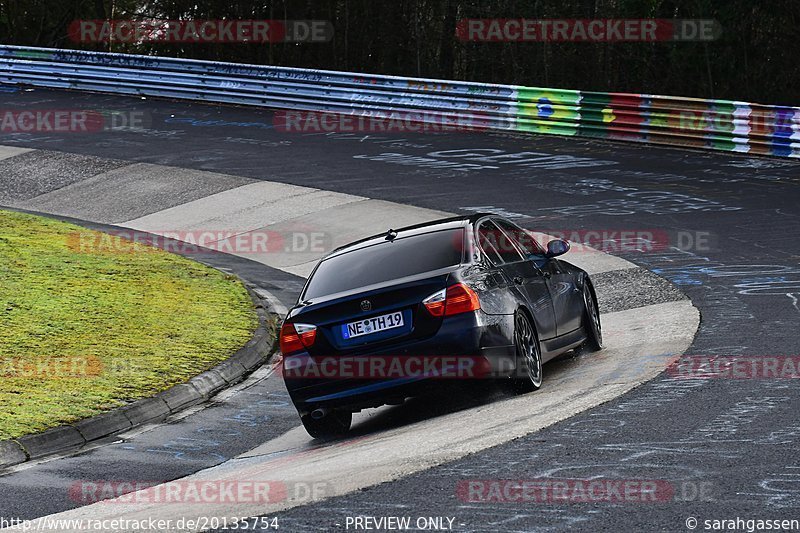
[90,322]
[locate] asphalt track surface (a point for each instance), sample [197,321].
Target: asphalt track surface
[727,446]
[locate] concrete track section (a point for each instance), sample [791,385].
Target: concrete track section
[723,228]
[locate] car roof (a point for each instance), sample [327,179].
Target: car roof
[407,231]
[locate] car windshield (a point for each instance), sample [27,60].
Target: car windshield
[400,258]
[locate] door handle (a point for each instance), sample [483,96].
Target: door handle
[518,280]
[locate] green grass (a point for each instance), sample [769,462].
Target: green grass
[84,329]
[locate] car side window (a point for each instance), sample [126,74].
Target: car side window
[486,245]
[496,244]
[523,239]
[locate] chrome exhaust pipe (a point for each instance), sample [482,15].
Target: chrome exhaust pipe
[317,414]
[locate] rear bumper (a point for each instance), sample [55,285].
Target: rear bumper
[470,346]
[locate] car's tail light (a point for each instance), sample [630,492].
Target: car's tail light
[460,299]
[455,299]
[435,303]
[295,337]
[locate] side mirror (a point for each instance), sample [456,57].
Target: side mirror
[557,247]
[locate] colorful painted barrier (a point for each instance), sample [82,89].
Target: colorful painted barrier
[677,121]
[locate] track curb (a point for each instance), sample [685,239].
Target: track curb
[72,437]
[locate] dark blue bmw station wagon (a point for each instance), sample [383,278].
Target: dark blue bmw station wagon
[383,319]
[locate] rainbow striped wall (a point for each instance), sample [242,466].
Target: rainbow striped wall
[669,120]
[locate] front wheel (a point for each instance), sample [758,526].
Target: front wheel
[528,376]
[334,424]
[591,321]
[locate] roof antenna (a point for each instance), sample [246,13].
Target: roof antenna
[391,234]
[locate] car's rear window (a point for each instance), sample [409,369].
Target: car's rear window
[402,257]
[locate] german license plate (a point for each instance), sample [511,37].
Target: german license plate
[375,324]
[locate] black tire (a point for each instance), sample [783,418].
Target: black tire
[334,424]
[528,376]
[591,321]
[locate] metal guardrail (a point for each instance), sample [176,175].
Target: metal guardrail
[715,124]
